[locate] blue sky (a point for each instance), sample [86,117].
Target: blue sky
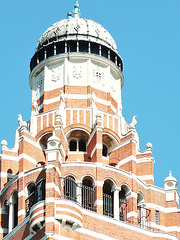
[147,33]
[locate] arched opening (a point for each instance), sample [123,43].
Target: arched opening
[15,209]
[36,193]
[40,190]
[143,212]
[78,140]
[108,199]
[88,194]
[122,204]
[43,140]
[5,217]
[70,188]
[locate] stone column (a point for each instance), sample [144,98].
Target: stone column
[79,192]
[116,202]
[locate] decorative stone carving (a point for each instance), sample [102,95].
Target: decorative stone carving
[40,84]
[35,107]
[77,72]
[149,146]
[98,76]
[4,143]
[93,99]
[77,28]
[132,125]
[21,122]
[56,76]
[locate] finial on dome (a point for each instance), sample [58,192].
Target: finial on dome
[76,9]
[170,173]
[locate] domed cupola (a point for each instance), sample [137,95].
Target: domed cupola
[76,34]
[170,182]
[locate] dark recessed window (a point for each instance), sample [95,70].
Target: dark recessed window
[104,151]
[82,146]
[60,47]
[104,52]
[73,145]
[72,46]
[95,48]
[83,46]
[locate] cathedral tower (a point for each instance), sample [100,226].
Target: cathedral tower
[76,171]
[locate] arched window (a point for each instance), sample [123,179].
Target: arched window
[70,189]
[40,190]
[144,213]
[108,199]
[36,193]
[5,217]
[104,151]
[31,200]
[88,194]
[122,205]
[15,209]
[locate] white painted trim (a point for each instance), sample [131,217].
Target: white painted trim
[51,100]
[28,158]
[69,203]
[132,214]
[9,157]
[146,177]
[69,218]
[97,146]
[161,208]
[98,203]
[59,209]
[37,213]
[129,226]
[36,221]
[22,212]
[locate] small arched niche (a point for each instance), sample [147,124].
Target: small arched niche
[77,140]
[109,143]
[43,140]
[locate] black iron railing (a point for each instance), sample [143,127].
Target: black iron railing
[37,195]
[85,195]
[144,219]
[108,206]
[122,210]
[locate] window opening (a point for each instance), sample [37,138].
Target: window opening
[83,46]
[73,145]
[122,205]
[104,151]
[36,194]
[82,146]
[157,217]
[95,48]
[88,195]
[70,189]
[15,209]
[108,200]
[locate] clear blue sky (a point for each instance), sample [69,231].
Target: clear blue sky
[147,33]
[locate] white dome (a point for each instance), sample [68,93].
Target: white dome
[78,29]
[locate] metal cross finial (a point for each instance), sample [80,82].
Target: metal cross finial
[76,9]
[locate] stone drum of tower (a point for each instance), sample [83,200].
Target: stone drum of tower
[77,59]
